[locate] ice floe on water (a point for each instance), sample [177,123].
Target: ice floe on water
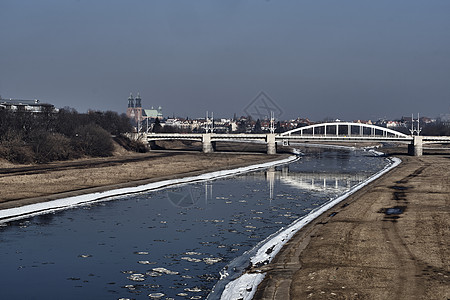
[193,290]
[192,253]
[191,259]
[154,274]
[146,262]
[212,260]
[137,277]
[156,295]
[165,271]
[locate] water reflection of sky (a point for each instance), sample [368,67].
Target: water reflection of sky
[173,241]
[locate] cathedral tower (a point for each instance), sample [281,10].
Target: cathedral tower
[134,110]
[130,109]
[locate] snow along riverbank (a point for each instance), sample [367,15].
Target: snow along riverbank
[11,214]
[244,287]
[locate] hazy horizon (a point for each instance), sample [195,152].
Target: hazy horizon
[316,59]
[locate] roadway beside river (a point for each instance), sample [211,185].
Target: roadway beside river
[389,240]
[23,185]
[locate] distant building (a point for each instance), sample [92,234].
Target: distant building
[139,114]
[31,106]
[394,124]
[445,119]
[368,122]
[152,113]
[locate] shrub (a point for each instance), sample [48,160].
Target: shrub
[138,146]
[16,151]
[93,140]
[130,145]
[51,146]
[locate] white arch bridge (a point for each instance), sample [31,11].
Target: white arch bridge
[345,129]
[323,132]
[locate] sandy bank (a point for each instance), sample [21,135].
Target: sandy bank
[389,240]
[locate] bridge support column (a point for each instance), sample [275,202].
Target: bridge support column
[271,145]
[151,145]
[416,147]
[207,144]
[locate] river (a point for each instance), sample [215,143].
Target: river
[170,243]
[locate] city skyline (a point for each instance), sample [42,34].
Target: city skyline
[263,115]
[322,59]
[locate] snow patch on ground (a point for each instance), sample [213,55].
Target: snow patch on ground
[245,286]
[11,214]
[376,153]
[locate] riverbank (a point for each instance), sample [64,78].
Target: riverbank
[24,185]
[388,240]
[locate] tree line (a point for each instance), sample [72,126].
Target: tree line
[48,136]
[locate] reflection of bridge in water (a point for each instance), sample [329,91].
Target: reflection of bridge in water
[305,181]
[310,181]
[324,132]
[314,181]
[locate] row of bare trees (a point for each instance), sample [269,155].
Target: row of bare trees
[48,136]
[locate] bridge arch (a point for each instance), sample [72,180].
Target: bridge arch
[334,128]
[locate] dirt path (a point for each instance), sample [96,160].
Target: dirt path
[21,185]
[390,240]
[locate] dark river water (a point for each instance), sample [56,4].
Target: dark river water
[170,243]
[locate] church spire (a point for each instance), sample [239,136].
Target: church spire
[131,100]
[138,100]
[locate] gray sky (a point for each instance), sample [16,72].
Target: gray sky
[355,59]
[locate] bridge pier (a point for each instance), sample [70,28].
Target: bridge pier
[151,145]
[416,147]
[207,144]
[271,145]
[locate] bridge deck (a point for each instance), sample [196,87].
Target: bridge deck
[316,137]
